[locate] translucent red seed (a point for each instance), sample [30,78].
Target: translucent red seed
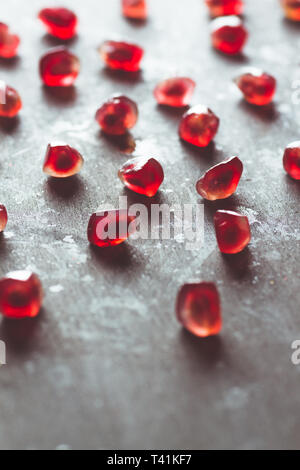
[232,231]
[221,181]
[143,175]
[3,217]
[59,67]
[21,295]
[198,309]
[60,22]
[10,101]
[229,35]
[199,126]
[225,7]
[175,92]
[135,9]
[121,55]
[9,42]
[117,115]
[110,228]
[291,160]
[62,161]
[257,87]
[291,9]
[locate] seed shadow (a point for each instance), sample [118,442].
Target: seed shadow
[64,188]
[4,249]
[170,112]
[135,198]
[294,185]
[9,125]
[52,41]
[59,96]
[291,25]
[122,76]
[123,143]
[137,23]
[202,351]
[238,266]
[11,63]
[209,153]
[267,113]
[233,58]
[229,204]
[114,257]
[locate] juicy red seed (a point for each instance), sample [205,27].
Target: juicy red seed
[229,35]
[9,43]
[117,115]
[291,160]
[59,67]
[121,55]
[175,92]
[225,7]
[257,87]
[21,294]
[199,126]
[221,180]
[198,309]
[291,9]
[135,9]
[143,175]
[232,231]
[110,228]
[59,22]
[62,161]
[3,217]
[10,101]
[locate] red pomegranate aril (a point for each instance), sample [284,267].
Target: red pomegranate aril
[60,22]
[10,101]
[175,92]
[199,126]
[232,231]
[291,9]
[291,160]
[135,9]
[9,43]
[225,7]
[110,228]
[21,295]
[117,115]
[3,217]
[198,309]
[229,35]
[143,175]
[121,55]
[62,161]
[221,181]
[59,67]
[257,87]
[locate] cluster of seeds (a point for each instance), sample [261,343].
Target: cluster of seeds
[198,305]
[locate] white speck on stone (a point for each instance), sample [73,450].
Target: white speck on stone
[56,289]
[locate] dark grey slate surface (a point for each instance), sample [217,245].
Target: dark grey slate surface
[106,365]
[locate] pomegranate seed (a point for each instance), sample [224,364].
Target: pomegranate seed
[3,217]
[59,67]
[232,231]
[21,294]
[62,161]
[257,87]
[291,160]
[291,9]
[110,228]
[225,7]
[10,101]
[9,43]
[175,92]
[121,55]
[117,115]
[60,22]
[135,9]
[143,175]
[229,35]
[198,309]
[199,126]
[221,180]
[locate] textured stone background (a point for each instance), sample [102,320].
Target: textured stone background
[106,365]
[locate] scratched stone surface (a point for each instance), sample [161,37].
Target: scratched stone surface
[106,365]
